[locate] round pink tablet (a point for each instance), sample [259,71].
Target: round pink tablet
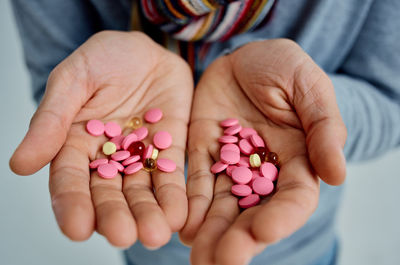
[230,147]
[112,129]
[229,157]
[228,139]
[141,133]
[148,151]
[128,140]
[233,130]
[256,174]
[218,167]
[241,190]
[241,175]
[246,147]
[244,161]
[153,115]
[262,186]
[229,170]
[256,140]
[95,127]
[166,165]
[131,160]
[133,168]
[229,122]
[107,171]
[117,140]
[246,132]
[117,165]
[162,140]
[269,171]
[120,155]
[249,201]
[96,163]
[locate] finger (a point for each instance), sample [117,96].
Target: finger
[114,219]
[152,226]
[237,246]
[223,211]
[290,207]
[170,188]
[315,103]
[70,193]
[200,183]
[66,92]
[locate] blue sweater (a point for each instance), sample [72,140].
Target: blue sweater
[357,42]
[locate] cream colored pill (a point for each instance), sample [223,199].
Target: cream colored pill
[109,148]
[154,154]
[255,160]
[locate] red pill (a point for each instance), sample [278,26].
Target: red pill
[136,148]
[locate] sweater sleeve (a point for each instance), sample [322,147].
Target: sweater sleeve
[52,29]
[368,85]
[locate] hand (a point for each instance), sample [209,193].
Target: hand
[113,76]
[275,88]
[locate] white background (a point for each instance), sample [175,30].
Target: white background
[368,223]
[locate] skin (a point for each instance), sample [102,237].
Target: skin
[275,88]
[103,80]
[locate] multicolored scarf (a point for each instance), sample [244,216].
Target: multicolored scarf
[197,23]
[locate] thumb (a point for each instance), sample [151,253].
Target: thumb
[315,103]
[65,94]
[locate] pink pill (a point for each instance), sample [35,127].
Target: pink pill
[228,139]
[230,147]
[218,167]
[112,129]
[162,140]
[96,163]
[246,132]
[262,186]
[117,140]
[128,140]
[141,133]
[246,147]
[241,190]
[249,201]
[244,161]
[107,171]
[256,140]
[153,115]
[269,171]
[229,122]
[148,151]
[95,127]
[166,165]
[241,175]
[229,157]
[233,130]
[256,174]
[133,168]
[131,160]
[120,155]
[117,165]
[229,170]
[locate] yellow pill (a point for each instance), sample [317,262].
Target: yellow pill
[109,148]
[135,123]
[255,160]
[154,154]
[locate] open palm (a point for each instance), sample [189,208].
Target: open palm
[275,88]
[114,76]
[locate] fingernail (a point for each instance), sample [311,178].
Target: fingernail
[151,248]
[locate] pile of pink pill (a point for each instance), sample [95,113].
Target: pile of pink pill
[128,154]
[244,158]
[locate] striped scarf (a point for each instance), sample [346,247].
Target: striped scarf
[192,25]
[205,20]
